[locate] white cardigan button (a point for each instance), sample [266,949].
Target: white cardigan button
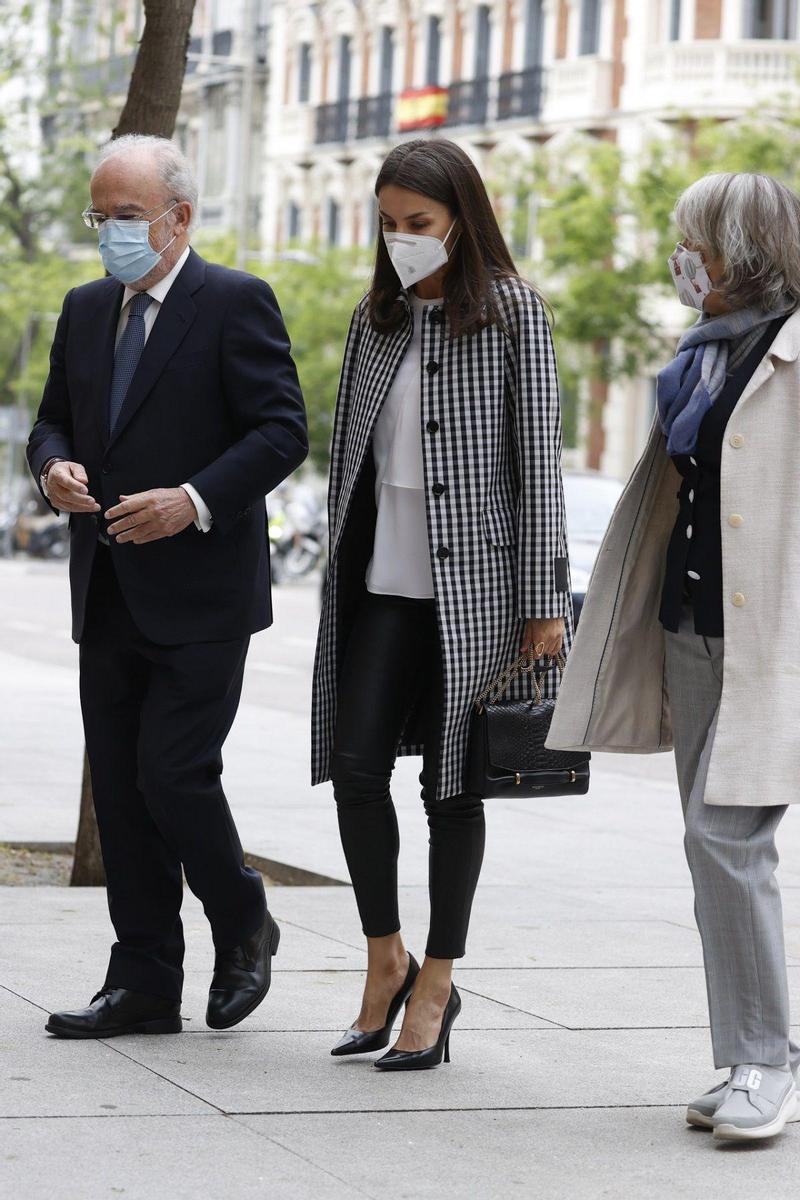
[738,599]
[737,441]
[736,520]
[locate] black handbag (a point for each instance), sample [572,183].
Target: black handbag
[506,753]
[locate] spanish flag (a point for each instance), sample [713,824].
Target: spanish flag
[421,108]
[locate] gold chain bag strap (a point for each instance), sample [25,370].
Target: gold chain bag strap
[506,754]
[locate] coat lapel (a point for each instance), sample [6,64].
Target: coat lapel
[379,359]
[173,322]
[785,347]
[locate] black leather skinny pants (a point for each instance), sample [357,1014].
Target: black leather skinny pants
[392,660]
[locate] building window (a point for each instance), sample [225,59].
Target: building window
[434,51]
[304,73]
[534,33]
[771,19]
[334,223]
[675,20]
[386,82]
[589,37]
[293,221]
[483,33]
[345,58]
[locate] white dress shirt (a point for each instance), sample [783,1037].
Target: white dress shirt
[401,562]
[158,293]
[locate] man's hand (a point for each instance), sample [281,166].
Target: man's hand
[68,488]
[546,635]
[148,516]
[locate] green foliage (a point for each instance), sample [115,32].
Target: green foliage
[31,295]
[43,188]
[604,229]
[317,293]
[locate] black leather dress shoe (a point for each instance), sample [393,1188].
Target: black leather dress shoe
[114,1011]
[242,977]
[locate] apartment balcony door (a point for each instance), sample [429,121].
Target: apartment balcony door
[771,19]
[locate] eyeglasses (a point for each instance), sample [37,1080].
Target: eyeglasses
[94,220]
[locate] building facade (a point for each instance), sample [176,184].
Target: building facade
[90,52]
[349,78]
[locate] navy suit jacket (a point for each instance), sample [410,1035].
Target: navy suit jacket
[215,402]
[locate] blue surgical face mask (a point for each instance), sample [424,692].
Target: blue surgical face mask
[125,248]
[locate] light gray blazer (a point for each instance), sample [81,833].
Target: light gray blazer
[613,695]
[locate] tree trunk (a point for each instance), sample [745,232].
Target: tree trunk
[151,107]
[154,94]
[598,395]
[87,865]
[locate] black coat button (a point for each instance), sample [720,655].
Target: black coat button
[443,552]
[106,468]
[438,489]
[432,427]
[432,368]
[436,316]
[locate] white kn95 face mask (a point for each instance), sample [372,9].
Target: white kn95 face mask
[415,256]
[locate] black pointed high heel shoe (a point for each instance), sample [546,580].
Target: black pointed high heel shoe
[422,1060]
[356,1041]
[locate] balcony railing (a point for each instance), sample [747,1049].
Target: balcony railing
[468,102]
[347,120]
[710,75]
[374,116]
[333,122]
[578,88]
[519,93]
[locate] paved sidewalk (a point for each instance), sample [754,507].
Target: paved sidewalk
[581,1038]
[584,1028]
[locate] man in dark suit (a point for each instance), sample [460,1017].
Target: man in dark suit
[171,409]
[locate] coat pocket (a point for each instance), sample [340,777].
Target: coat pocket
[499,525]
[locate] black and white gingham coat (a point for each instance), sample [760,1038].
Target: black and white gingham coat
[491,434]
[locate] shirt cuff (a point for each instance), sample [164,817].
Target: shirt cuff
[45,471]
[204,519]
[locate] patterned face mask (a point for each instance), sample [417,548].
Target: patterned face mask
[415,256]
[690,276]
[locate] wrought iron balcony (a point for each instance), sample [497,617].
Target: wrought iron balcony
[374,116]
[519,93]
[332,122]
[345,120]
[468,102]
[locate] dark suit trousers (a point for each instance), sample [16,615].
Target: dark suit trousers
[391,666]
[155,719]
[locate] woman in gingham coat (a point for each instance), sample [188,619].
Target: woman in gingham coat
[448,556]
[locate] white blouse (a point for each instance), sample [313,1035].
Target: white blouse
[400,563]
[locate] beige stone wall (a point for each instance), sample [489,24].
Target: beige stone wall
[708,19]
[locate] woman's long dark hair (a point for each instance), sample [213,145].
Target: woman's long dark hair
[442,171]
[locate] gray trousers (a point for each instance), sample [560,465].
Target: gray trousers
[732,858]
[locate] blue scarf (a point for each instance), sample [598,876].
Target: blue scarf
[708,351]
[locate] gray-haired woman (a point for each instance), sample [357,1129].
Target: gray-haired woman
[689,632]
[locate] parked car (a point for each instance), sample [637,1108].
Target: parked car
[590,500]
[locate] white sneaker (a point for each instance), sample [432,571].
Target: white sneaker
[757,1103]
[701,1111]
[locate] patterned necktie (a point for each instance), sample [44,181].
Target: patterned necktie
[128,353]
